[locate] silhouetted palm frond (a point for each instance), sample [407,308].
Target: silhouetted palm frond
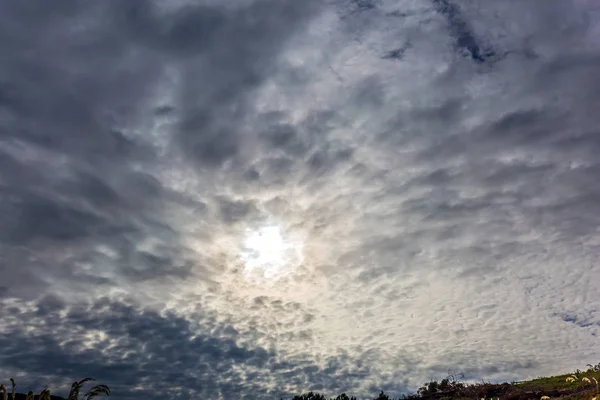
[44,394]
[14,385]
[76,387]
[96,391]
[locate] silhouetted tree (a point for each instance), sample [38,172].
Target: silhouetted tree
[310,396]
[344,396]
[383,396]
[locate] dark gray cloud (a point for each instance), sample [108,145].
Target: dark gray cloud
[234,211]
[238,57]
[466,40]
[143,353]
[137,347]
[76,90]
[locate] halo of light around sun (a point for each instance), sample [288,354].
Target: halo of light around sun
[269,253]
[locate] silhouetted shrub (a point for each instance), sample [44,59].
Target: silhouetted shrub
[310,396]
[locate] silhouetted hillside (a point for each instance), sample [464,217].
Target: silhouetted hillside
[23,396]
[580,385]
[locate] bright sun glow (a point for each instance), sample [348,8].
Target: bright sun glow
[267,252]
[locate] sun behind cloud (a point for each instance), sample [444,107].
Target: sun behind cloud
[269,254]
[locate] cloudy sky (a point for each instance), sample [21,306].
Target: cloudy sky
[256,198]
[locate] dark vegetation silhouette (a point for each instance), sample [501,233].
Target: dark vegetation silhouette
[579,385]
[95,391]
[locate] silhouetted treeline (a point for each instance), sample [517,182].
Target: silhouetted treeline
[448,388]
[451,388]
[23,396]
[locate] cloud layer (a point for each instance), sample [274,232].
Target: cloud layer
[435,163]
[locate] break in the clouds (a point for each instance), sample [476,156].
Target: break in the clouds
[257,198]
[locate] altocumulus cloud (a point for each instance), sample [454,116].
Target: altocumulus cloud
[434,162]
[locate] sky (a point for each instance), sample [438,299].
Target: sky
[252,199]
